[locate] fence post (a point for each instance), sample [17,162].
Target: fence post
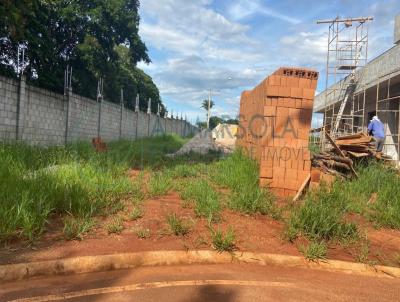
[121,113]
[137,115]
[149,116]
[100,101]
[68,113]
[21,108]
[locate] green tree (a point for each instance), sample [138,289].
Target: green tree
[214,121]
[204,104]
[87,35]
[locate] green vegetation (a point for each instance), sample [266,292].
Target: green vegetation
[321,217]
[204,197]
[160,183]
[136,213]
[78,184]
[116,226]
[95,38]
[36,182]
[177,226]
[314,250]
[375,194]
[240,174]
[223,242]
[142,233]
[76,228]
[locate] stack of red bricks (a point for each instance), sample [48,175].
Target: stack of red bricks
[275,120]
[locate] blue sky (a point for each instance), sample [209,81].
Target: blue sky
[230,46]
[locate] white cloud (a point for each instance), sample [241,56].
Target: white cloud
[196,47]
[245,8]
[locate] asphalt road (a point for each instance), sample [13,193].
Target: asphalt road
[234,282]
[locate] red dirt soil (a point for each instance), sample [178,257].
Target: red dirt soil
[253,233]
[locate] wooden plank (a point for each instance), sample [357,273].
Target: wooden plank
[356,141]
[358,155]
[303,186]
[340,152]
[352,136]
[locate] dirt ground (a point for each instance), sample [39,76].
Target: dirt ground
[253,233]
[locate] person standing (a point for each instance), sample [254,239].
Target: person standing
[377,129]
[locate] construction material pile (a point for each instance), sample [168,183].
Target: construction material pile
[332,164]
[338,162]
[356,145]
[274,128]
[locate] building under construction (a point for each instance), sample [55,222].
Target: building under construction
[356,89]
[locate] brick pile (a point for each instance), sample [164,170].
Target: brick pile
[275,120]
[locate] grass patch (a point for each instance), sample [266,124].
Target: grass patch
[240,174]
[142,233]
[223,242]
[160,184]
[314,250]
[36,182]
[321,217]
[116,226]
[185,171]
[178,226]
[204,197]
[136,213]
[76,228]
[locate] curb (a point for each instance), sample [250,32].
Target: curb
[91,264]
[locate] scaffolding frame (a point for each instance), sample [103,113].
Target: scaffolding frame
[347,52]
[385,100]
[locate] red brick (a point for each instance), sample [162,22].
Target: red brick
[265,182]
[269,111]
[266,172]
[304,83]
[282,111]
[296,92]
[292,81]
[307,165]
[308,93]
[274,80]
[315,175]
[272,90]
[307,104]
[284,91]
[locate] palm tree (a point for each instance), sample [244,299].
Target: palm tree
[204,104]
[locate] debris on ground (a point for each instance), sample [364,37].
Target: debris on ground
[224,136]
[99,144]
[338,162]
[356,145]
[201,143]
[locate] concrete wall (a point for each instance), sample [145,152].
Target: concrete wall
[42,117]
[8,108]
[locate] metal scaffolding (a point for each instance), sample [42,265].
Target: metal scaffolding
[347,52]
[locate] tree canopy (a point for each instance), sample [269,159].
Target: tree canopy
[96,38]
